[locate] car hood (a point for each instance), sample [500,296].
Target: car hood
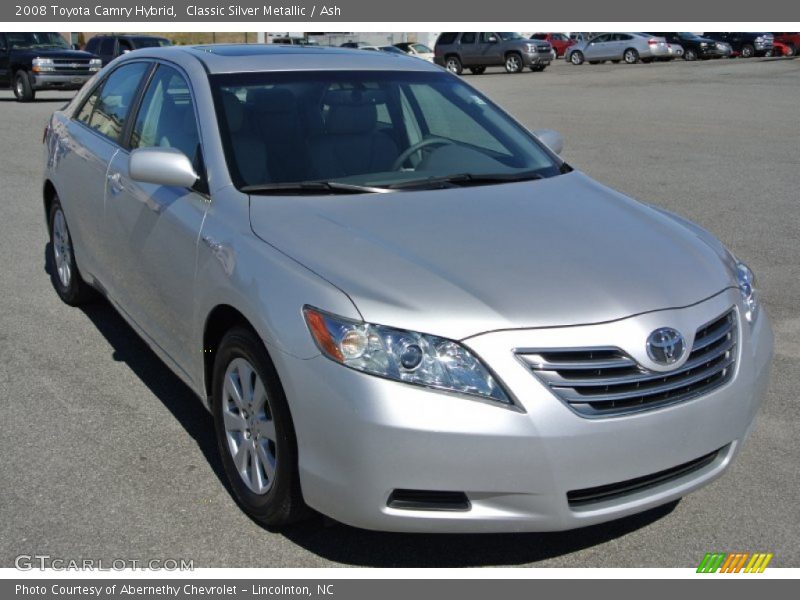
[44,53]
[553,252]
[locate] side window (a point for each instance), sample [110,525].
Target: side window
[447,38]
[91,45]
[166,118]
[623,37]
[85,113]
[3,44]
[107,46]
[467,38]
[486,35]
[125,45]
[116,96]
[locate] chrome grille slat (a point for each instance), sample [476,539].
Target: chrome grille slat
[557,380]
[605,381]
[683,382]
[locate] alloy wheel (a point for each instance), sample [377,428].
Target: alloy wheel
[62,249]
[513,63]
[249,427]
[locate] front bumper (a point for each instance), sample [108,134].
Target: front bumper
[60,81]
[361,437]
[535,59]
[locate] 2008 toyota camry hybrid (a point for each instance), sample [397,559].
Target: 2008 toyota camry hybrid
[403,309]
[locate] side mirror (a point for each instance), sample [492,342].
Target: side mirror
[492,39]
[163,166]
[551,139]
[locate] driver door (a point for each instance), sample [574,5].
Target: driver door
[156,227]
[599,48]
[489,48]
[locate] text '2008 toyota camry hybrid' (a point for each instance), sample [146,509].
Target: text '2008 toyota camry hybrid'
[403,309]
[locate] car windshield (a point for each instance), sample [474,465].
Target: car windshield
[510,35]
[381,129]
[422,48]
[24,41]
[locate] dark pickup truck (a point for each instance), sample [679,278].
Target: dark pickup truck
[42,61]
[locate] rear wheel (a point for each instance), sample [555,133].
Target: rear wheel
[790,50]
[66,278]
[453,64]
[690,54]
[748,51]
[630,56]
[255,433]
[576,58]
[513,62]
[23,88]
[477,70]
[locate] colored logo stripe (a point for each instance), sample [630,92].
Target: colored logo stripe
[734,562]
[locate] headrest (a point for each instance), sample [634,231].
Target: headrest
[234,111]
[271,100]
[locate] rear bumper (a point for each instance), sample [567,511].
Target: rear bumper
[47,81]
[361,437]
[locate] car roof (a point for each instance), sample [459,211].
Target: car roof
[237,58]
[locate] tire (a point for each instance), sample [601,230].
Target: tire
[23,89]
[576,57]
[513,63]
[477,70]
[630,56]
[453,64]
[267,483]
[748,51]
[64,273]
[690,55]
[790,50]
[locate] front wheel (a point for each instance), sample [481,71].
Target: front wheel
[576,58]
[66,278]
[630,56]
[23,88]
[513,63]
[453,64]
[690,55]
[790,50]
[254,430]
[748,51]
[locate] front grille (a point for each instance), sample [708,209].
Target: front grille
[543,48]
[71,65]
[603,382]
[584,497]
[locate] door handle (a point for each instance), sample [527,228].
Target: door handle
[115,183]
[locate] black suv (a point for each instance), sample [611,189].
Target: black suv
[745,44]
[695,46]
[109,47]
[42,61]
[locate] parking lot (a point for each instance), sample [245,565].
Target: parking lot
[106,454]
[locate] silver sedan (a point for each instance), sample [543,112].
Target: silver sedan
[403,309]
[628,47]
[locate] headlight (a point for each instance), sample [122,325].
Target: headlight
[531,48]
[402,355]
[95,64]
[43,64]
[747,286]
[759,39]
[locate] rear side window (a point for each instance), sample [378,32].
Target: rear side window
[107,46]
[166,118]
[447,38]
[111,108]
[468,38]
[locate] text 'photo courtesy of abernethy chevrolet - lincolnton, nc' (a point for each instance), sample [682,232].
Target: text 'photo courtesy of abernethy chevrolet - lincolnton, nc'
[404,310]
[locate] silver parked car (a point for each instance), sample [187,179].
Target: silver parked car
[403,309]
[616,47]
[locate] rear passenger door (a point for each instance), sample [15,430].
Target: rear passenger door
[468,49]
[155,229]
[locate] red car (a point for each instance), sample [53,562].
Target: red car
[792,40]
[558,41]
[781,49]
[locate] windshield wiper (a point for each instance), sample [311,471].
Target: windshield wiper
[467,179]
[311,187]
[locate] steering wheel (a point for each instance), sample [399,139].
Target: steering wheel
[414,148]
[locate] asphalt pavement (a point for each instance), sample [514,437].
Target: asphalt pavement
[106,454]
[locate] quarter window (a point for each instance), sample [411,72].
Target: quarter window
[467,38]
